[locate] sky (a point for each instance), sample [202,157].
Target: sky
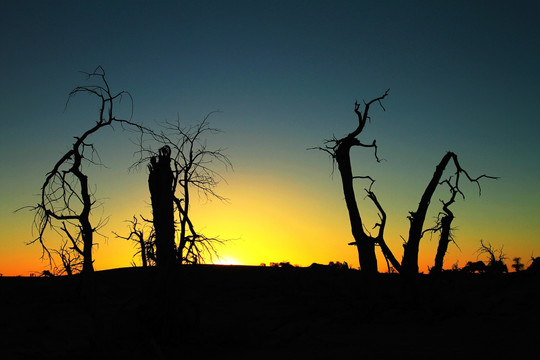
[463,77]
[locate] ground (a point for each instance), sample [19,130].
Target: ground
[238,312]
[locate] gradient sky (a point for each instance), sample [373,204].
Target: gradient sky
[464,76]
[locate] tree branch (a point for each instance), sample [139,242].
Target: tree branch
[362,118]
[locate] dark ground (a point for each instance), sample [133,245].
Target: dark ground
[237,312]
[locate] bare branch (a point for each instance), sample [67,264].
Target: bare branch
[373,145]
[363,117]
[460,170]
[372,181]
[388,255]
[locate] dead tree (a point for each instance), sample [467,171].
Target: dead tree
[160,183]
[417,218]
[72,261]
[192,170]
[444,225]
[517,265]
[496,258]
[145,243]
[66,199]
[339,150]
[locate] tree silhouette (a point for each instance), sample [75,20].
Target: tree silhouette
[339,150]
[518,265]
[410,255]
[72,261]
[66,199]
[535,265]
[475,267]
[444,225]
[183,165]
[145,243]
[160,183]
[496,257]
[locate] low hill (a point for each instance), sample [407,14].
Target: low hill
[242,312]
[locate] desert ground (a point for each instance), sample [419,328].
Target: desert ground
[242,312]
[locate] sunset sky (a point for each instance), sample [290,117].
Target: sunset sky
[464,77]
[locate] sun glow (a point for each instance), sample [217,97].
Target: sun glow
[227,260]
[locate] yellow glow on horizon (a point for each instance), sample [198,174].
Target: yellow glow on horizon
[273,219]
[227,260]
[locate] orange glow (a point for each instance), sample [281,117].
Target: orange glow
[272,219]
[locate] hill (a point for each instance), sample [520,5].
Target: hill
[241,312]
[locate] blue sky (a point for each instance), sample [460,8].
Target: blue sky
[285,75]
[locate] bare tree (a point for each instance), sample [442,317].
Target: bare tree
[410,256]
[66,199]
[495,256]
[444,225]
[339,150]
[183,150]
[518,265]
[72,261]
[143,235]
[160,184]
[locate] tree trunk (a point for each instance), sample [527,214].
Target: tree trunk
[87,235]
[444,240]
[183,213]
[87,232]
[160,183]
[143,251]
[409,265]
[364,243]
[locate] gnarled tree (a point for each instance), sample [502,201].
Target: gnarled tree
[339,150]
[496,258]
[444,225]
[143,234]
[409,264]
[183,151]
[66,199]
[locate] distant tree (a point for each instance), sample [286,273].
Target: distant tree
[72,261]
[496,257]
[535,265]
[338,265]
[143,235]
[339,150]
[475,267]
[283,265]
[66,198]
[517,265]
[183,165]
[46,273]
